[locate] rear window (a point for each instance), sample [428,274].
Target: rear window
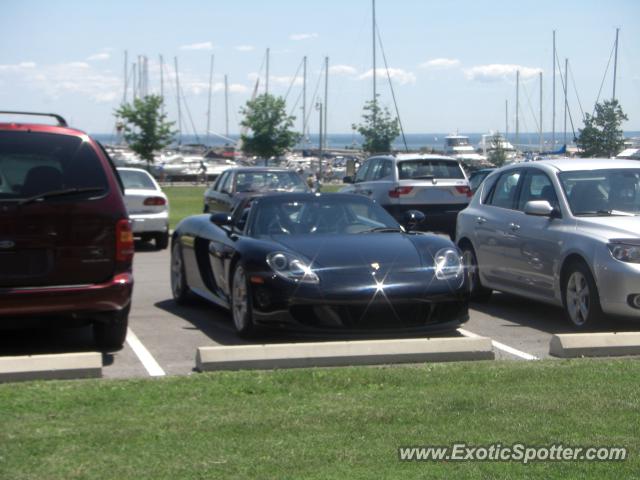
[34,163]
[132,179]
[427,169]
[269,181]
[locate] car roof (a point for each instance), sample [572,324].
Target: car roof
[259,169]
[573,164]
[42,128]
[301,196]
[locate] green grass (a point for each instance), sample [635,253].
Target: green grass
[184,201]
[320,423]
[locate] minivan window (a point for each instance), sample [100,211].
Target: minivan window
[35,163]
[427,169]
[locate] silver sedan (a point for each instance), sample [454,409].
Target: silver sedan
[565,232]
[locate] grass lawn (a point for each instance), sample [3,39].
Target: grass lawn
[321,423]
[188,200]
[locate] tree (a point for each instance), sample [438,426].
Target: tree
[602,134]
[497,154]
[146,129]
[378,128]
[270,127]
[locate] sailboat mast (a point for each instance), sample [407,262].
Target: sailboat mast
[266,80]
[209,103]
[541,142]
[126,86]
[615,65]
[304,100]
[517,108]
[373,31]
[566,69]
[175,59]
[226,107]
[162,81]
[134,84]
[506,120]
[553,82]
[326,94]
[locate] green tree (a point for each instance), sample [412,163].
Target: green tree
[602,134]
[378,128]
[497,153]
[146,128]
[270,127]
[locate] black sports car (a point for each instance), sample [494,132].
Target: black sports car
[319,261]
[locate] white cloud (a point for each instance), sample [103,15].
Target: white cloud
[497,72]
[198,46]
[342,70]
[401,76]
[302,36]
[440,63]
[283,80]
[17,67]
[245,48]
[76,65]
[99,56]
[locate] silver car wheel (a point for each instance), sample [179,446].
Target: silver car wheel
[239,300]
[469,262]
[578,298]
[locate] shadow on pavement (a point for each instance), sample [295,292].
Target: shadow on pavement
[40,341]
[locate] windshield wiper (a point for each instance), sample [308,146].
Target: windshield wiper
[603,213]
[59,193]
[381,230]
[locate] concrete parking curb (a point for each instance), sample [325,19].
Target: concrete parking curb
[595,344]
[331,354]
[47,367]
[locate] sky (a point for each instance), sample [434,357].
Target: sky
[452,64]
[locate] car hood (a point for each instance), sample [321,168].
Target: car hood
[610,227]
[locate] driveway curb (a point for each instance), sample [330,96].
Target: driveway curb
[330,354]
[595,344]
[48,367]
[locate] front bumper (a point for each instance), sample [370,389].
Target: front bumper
[72,300]
[616,281]
[150,222]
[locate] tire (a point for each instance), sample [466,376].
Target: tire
[477,293]
[179,286]
[162,240]
[580,297]
[111,334]
[241,306]
[205,209]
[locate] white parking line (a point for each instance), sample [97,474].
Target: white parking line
[154,369]
[502,346]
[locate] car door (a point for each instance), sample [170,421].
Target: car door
[214,196]
[380,181]
[539,238]
[497,247]
[360,177]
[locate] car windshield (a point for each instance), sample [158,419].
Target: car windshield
[136,179]
[417,169]
[34,164]
[602,192]
[319,215]
[269,181]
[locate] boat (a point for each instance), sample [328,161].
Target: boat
[455,145]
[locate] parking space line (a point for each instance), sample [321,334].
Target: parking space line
[502,346]
[154,369]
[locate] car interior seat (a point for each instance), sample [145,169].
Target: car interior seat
[40,180]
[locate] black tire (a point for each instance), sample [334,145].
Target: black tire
[205,209]
[179,286]
[111,334]
[241,304]
[580,297]
[162,240]
[477,292]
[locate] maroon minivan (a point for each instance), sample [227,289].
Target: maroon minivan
[66,245]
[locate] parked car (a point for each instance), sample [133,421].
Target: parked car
[432,184]
[332,262]
[147,205]
[66,244]
[477,177]
[565,232]
[235,184]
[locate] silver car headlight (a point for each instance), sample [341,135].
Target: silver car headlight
[448,264]
[625,252]
[290,267]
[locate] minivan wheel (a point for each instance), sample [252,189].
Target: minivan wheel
[179,287]
[580,297]
[477,293]
[162,240]
[241,304]
[111,333]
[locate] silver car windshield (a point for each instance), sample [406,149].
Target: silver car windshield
[269,181]
[602,192]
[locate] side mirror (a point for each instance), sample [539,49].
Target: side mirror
[347,179]
[220,219]
[412,219]
[539,208]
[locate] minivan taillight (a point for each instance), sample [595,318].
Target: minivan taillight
[464,190]
[124,241]
[398,191]
[154,201]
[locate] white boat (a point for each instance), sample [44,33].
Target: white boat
[455,145]
[488,144]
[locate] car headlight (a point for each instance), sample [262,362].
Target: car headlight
[448,264]
[625,252]
[290,267]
